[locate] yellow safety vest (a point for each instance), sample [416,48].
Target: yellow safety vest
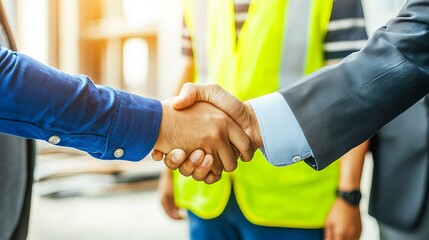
[280,41]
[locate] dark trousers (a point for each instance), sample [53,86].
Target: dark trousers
[232,225]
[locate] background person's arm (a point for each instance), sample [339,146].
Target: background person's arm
[344,220]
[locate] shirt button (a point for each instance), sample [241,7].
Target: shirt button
[118,153]
[54,139]
[296,159]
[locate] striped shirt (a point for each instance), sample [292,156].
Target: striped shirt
[346,29]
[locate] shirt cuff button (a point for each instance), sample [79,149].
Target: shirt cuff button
[118,153]
[296,159]
[54,139]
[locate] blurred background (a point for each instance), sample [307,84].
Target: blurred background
[134,45]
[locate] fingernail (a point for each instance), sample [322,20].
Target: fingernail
[205,162]
[195,157]
[176,158]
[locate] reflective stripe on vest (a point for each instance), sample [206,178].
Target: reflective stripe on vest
[200,53]
[250,66]
[293,57]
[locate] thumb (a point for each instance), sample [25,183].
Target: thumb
[157,155]
[215,95]
[188,96]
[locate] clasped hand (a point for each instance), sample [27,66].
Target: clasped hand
[204,131]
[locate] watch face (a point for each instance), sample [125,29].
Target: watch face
[352,197]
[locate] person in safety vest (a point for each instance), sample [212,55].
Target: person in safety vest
[252,48]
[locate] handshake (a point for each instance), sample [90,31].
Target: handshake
[204,131]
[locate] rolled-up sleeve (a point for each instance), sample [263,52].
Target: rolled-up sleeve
[284,142]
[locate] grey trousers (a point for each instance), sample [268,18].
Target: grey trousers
[14,189]
[421,232]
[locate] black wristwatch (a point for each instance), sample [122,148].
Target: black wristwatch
[352,197]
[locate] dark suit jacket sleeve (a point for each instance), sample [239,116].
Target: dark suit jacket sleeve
[38,102]
[341,106]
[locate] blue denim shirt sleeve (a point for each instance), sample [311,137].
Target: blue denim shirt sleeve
[40,102]
[284,142]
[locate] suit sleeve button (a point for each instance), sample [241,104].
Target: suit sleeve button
[118,153]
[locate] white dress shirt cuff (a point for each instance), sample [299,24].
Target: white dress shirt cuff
[284,142]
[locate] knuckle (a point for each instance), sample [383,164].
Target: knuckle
[209,179]
[212,136]
[231,167]
[247,145]
[184,172]
[191,165]
[170,164]
[216,86]
[197,177]
[188,85]
[217,171]
[201,172]
[247,148]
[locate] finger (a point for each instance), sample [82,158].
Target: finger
[328,232]
[188,167]
[236,152]
[203,170]
[212,178]
[241,141]
[227,156]
[175,158]
[157,155]
[217,167]
[171,209]
[175,214]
